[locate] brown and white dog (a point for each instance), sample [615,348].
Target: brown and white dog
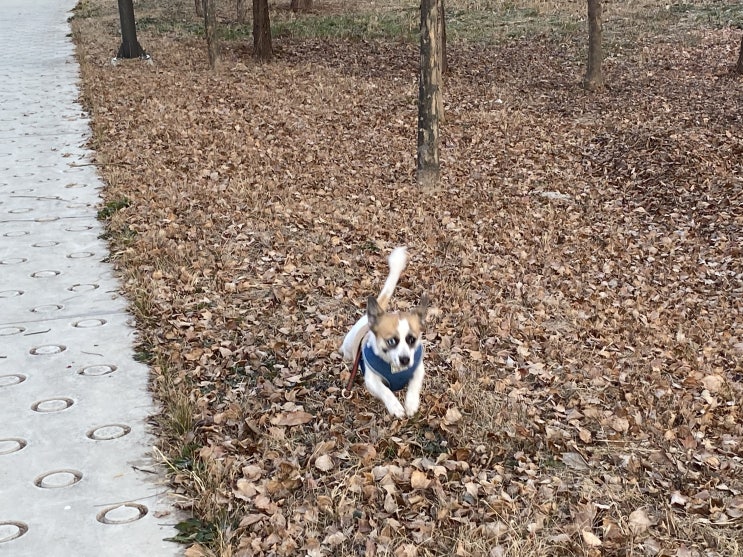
[391,345]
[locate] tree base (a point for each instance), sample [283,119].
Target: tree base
[127,50]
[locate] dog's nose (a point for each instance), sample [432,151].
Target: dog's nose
[404,360]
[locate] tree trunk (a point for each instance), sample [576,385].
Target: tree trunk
[739,65]
[594,78]
[210,31]
[301,5]
[242,11]
[429,91]
[199,8]
[130,47]
[262,48]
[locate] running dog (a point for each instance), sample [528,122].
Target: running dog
[391,345]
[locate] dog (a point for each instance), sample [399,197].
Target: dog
[391,345]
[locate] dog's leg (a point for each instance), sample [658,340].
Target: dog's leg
[377,388]
[413,396]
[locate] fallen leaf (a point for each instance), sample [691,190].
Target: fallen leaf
[590,538]
[639,521]
[324,463]
[292,418]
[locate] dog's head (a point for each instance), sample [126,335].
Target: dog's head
[397,334]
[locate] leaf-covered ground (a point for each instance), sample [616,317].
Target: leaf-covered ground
[583,254]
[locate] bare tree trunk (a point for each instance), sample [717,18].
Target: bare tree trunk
[301,5]
[739,65]
[242,11]
[262,48]
[210,30]
[199,8]
[130,47]
[594,78]
[429,91]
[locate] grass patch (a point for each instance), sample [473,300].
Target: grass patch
[385,25]
[112,207]
[713,14]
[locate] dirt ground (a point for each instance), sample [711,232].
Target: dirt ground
[583,256]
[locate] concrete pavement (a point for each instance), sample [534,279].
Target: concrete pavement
[76,477]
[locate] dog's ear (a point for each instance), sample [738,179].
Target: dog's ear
[422,310]
[373,311]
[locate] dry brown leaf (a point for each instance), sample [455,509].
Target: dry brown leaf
[639,521]
[574,461]
[590,539]
[324,463]
[453,415]
[419,480]
[292,418]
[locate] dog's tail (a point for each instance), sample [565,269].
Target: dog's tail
[398,260]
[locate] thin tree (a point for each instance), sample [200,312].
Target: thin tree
[594,78]
[739,65]
[262,48]
[210,31]
[429,92]
[130,47]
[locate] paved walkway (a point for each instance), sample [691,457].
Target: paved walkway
[75,476]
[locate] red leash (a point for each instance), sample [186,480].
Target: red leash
[346,393]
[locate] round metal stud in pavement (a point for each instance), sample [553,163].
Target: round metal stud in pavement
[10,530]
[8,331]
[122,514]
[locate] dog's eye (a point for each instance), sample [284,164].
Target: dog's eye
[392,342]
[410,339]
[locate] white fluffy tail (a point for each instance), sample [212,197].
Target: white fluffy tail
[398,260]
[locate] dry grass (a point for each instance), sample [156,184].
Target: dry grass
[583,253]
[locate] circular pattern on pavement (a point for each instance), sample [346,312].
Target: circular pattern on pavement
[97,371]
[48,349]
[11,379]
[49,405]
[122,514]
[10,445]
[108,432]
[10,530]
[58,478]
[47,273]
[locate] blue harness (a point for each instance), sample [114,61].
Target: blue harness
[397,380]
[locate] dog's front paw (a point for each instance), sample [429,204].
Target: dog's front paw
[396,409]
[411,407]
